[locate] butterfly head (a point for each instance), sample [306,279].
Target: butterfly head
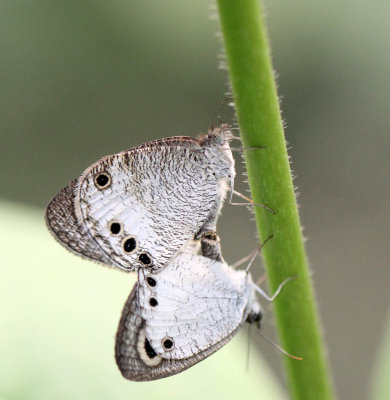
[219,136]
[216,142]
[255,314]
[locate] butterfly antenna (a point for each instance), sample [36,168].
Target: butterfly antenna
[279,348]
[223,102]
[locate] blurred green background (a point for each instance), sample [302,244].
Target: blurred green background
[79,80]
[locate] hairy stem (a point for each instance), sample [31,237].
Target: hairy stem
[255,96]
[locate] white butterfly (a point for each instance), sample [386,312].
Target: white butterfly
[138,208]
[177,317]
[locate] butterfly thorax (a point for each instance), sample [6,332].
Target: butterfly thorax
[217,148]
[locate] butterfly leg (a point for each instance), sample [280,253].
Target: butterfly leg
[250,201]
[261,279]
[251,256]
[271,298]
[246,148]
[242,149]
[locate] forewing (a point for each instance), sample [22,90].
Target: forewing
[160,193]
[62,222]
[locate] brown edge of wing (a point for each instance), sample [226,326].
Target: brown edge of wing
[62,223]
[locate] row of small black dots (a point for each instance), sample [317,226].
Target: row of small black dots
[129,244]
[102,181]
[152,283]
[167,342]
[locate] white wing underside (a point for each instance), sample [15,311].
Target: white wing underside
[200,301]
[161,200]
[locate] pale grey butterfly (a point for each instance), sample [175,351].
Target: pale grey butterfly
[139,207]
[181,315]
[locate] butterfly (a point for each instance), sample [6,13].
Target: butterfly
[139,207]
[184,313]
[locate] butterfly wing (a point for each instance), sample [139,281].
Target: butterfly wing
[136,358]
[198,302]
[179,316]
[157,195]
[62,222]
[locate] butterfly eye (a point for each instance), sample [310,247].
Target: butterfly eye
[167,343]
[102,180]
[145,259]
[130,244]
[153,302]
[115,227]
[151,281]
[210,235]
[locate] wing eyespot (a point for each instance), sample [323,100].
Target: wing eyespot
[115,227]
[153,302]
[102,180]
[146,351]
[168,343]
[149,349]
[130,244]
[151,281]
[145,259]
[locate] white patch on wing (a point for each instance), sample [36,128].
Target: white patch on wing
[150,362]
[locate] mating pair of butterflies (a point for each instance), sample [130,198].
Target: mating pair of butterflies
[152,209]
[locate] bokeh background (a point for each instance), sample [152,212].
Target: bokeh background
[79,80]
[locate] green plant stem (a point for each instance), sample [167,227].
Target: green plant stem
[380,385]
[255,96]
